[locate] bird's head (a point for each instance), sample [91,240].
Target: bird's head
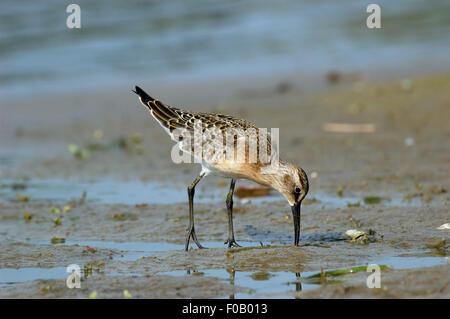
[292,182]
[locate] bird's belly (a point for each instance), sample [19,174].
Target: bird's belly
[235,170]
[222,171]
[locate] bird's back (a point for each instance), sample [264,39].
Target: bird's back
[217,134]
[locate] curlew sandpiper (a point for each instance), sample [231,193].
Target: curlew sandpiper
[289,180]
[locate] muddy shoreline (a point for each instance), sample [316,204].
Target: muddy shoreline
[127,232]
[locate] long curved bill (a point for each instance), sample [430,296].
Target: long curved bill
[296,214]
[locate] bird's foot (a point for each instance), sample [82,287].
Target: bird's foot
[232,243]
[191,234]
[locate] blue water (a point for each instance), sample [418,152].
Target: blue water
[137,192]
[121,42]
[277,284]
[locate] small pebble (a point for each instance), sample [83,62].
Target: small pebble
[409,141]
[444,226]
[406,84]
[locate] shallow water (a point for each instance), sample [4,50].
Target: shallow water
[118,44]
[270,284]
[10,276]
[138,192]
[278,284]
[134,250]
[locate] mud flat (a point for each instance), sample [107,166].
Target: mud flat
[118,206]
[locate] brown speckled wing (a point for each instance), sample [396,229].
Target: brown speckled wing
[172,118]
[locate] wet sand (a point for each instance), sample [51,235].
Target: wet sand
[130,240]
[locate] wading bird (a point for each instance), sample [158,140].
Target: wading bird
[289,180]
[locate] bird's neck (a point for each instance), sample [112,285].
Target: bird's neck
[273,175]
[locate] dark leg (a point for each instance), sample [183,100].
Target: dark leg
[231,242]
[191,229]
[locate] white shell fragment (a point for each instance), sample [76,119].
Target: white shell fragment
[444,226]
[354,233]
[409,141]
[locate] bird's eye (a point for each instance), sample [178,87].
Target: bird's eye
[297,190]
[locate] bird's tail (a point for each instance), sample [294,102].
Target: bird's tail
[160,111]
[145,98]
